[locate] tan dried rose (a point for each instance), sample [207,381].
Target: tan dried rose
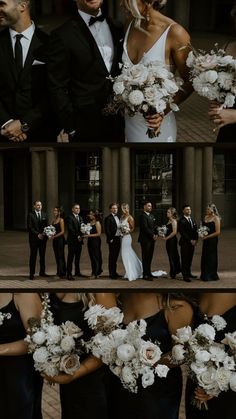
[69,363]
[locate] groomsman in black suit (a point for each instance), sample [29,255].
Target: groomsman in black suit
[37,220]
[188,240]
[24,109]
[147,238]
[74,241]
[111,225]
[83,53]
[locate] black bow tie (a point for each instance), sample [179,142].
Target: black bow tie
[95,19]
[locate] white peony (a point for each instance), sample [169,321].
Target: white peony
[206,331]
[229,100]
[217,353]
[149,353]
[138,74]
[148,378]
[136,97]
[118,87]
[41,355]
[218,322]
[198,368]
[125,352]
[178,352]
[39,337]
[222,378]
[170,86]
[202,356]
[53,334]
[211,76]
[162,371]
[183,334]
[67,343]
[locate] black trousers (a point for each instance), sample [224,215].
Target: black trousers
[114,250]
[37,245]
[147,248]
[74,253]
[187,251]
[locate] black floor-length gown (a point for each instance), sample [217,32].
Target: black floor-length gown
[159,401]
[84,398]
[209,259]
[95,254]
[18,394]
[172,251]
[59,251]
[223,406]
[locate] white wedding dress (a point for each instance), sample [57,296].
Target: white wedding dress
[135,126]
[132,264]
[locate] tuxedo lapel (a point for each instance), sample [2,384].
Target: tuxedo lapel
[8,55]
[35,44]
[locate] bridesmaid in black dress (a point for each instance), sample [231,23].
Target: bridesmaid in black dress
[223,406]
[163,316]
[18,393]
[209,259]
[59,241]
[83,395]
[172,243]
[94,245]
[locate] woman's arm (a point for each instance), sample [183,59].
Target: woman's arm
[106,299]
[221,117]
[62,227]
[98,229]
[28,305]
[217,230]
[174,231]
[131,223]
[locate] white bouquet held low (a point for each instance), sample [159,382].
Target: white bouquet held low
[54,348]
[85,228]
[213,75]
[128,355]
[203,231]
[49,231]
[161,231]
[208,363]
[144,88]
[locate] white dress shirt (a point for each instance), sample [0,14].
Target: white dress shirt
[102,35]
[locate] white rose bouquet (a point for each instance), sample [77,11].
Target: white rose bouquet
[213,75]
[54,348]
[49,231]
[208,363]
[161,231]
[4,316]
[124,228]
[147,89]
[203,231]
[85,228]
[128,355]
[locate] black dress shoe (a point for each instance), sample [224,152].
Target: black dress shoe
[192,276]
[44,275]
[80,275]
[31,277]
[70,278]
[113,277]
[119,276]
[187,279]
[148,278]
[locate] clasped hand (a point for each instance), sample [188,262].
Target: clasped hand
[154,121]
[13,131]
[58,379]
[220,116]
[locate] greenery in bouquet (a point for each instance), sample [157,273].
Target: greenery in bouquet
[144,88]
[54,348]
[132,359]
[213,75]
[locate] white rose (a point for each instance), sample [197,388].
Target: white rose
[114,315]
[229,100]
[39,337]
[178,352]
[170,86]
[230,340]
[149,353]
[206,379]
[138,74]
[71,329]
[41,355]
[150,94]
[206,331]
[218,322]
[50,369]
[183,334]
[226,60]
[162,371]
[117,336]
[202,356]
[207,61]
[136,97]
[222,378]
[53,334]
[198,368]
[148,378]
[125,352]
[118,87]
[232,382]
[211,76]
[67,343]
[69,363]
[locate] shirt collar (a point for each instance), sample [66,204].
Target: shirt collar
[28,33]
[86,17]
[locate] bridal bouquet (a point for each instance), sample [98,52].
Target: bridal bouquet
[208,363]
[49,231]
[147,89]
[203,231]
[132,359]
[161,231]
[85,228]
[213,75]
[124,228]
[4,316]
[54,348]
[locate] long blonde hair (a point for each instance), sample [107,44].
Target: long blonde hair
[88,299]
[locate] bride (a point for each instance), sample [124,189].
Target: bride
[151,36]
[131,262]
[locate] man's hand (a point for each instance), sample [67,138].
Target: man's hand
[13,131]
[41,236]
[193,242]
[63,137]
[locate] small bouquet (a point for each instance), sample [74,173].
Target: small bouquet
[147,89]
[54,348]
[4,316]
[161,231]
[213,75]
[208,363]
[49,231]
[203,231]
[124,228]
[131,358]
[85,228]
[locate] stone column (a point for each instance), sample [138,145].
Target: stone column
[36,175]
[51,180]
[181,12]
[106,179]
[115,175]
[207,173]
[198,185]
[125,176]
[1,194]
[188,175]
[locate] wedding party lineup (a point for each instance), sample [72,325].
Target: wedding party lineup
[117,209]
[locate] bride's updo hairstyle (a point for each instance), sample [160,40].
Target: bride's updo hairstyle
[173,212]
[124,206]
[132,7]
[213,208]
[156,4]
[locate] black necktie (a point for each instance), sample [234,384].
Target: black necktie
[18,54]
[94,19]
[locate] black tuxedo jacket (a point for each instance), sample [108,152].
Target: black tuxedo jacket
[73,229]
[187,231]
[26,97]
[147,227]
[110,227]
[78,80]
[36,226]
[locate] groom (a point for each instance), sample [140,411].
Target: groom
[111,226]
[83,54]
[147,238]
